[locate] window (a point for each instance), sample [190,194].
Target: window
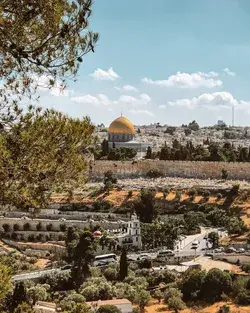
[136,238]
[136,232]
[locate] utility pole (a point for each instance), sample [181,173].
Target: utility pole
[233,116]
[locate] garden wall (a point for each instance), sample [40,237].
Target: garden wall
[188,169]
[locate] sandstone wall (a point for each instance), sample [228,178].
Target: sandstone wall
[129,169]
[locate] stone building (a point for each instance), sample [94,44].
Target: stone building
[121,133]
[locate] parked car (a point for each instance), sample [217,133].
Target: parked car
[165,253]
[143,256]
[241,250]
[66,267]
[231,250]
[219,250]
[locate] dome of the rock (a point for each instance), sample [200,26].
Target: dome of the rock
[121,125]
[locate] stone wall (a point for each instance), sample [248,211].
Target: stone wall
[199,169]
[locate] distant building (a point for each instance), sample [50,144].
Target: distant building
[121,133]
[122,304]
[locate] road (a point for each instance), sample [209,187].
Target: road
[36,275]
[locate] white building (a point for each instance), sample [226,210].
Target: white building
[122,304]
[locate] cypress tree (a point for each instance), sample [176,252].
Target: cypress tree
[123,271]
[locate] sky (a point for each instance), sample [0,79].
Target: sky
[166,61]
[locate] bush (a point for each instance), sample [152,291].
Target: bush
[235,189]
[49,227]
[14,236]
[170,293]
[176,304]
[33,260]
[224,174]
[63,227]
[130,193]
[154,173]
[39,226]
[192,192]
[31,237]
[26,227]
[206,194]
[6,227]
[16,227]
[224,309]
[246,267]
[219,196]
[243,297]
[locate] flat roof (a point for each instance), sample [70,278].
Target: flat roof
[110,302]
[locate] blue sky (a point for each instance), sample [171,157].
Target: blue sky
[167,61]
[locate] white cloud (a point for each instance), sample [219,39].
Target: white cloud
[145,112]
[100,74]
[185,80]
[213,101]
[43,84]
[127,88]
[143,99]
[228,72]
[162,106]
[97,100]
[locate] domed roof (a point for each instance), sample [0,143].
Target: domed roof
[121,125]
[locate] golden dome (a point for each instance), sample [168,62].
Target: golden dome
[121,125]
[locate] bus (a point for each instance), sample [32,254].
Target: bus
[105,259]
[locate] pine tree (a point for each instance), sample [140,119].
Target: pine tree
[123,271]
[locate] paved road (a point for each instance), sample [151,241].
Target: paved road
[37,274]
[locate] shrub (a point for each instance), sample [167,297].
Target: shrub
[224,309]
[158,295]
[63,227]
[6,227]
[224,174]
[61,238]
[31,237]
[246,267]
[16,227]
[170,293]
[235,189]
[33,260]
[206,194]
[243,297]
[130,193]
[176,304]
[14,236]
[39,226]
[26,227]
[192,192]
[154,173]
[39,237]
[47,237]
[49,227]
[219,196]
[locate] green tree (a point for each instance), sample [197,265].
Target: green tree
[105,147]
[81,308]
[42,151]
[41,43]
[158,295]
[109,179]
[192,283]
[213,238]
[149,153]
[193,126]
[123,269]
[142,297]
[19,295]
[145,207]
[170,293]
[37,293]
[176,304]
[215,283]
[224,309]
[67,303]
[108,309]
[224,174]
[5,280]
[83,256]
[24,308]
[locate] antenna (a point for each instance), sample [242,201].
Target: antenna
[233,116]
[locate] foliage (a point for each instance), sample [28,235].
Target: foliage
[83,255]
[43,150]
[224,174]
[37,293]
[191,284]
[246,267]
[121,153]
[80,308]
[158,295]
[193,126]
[19,295]
[68,303]
[215,283]
[58,281]
[42,44]
[148,153]
[123,269]
[109,179]
[154,173]
[5,280]
[243,297]
[108,309]
[24,308]
[142,298]
[213,238]
[224,309]
[145,207]
[161,234]
[172,292]
[96,288]
[175,303]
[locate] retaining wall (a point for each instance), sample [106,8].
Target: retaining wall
[189,169]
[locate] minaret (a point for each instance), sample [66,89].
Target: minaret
[134,230]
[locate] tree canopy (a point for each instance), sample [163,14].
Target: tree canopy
[42,43]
